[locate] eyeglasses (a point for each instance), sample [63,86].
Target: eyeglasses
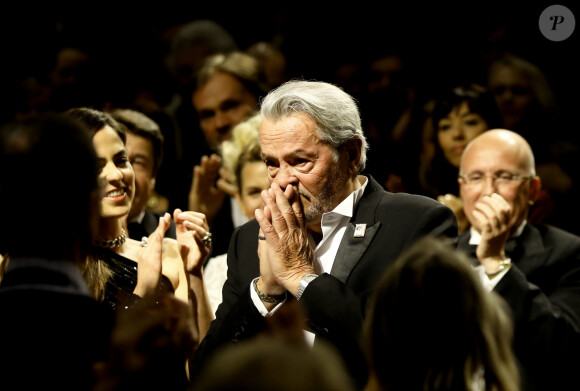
[504,178]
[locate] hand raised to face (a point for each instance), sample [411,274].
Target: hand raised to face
[493,214]
[289,252]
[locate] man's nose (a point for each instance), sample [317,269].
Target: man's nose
[222,120]
[285,177]
[489,187]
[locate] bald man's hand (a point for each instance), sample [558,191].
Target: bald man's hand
[494,215]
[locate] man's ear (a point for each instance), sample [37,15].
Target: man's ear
[354,152]
[535,188]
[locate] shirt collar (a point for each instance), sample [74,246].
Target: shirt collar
[139,218]
[346,207]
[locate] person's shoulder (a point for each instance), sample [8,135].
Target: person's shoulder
[552,234]
[374,189]
[248,226]
[245,234]
[410,200]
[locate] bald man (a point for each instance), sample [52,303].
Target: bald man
[535,268]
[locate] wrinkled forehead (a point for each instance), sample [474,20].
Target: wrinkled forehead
[295,124]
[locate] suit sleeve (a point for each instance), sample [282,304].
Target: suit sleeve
[547,313]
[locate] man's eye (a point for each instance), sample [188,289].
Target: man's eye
[475,178]
[205,114]
[506,177]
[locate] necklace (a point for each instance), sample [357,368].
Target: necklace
[111,243]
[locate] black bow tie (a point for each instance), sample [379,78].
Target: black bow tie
[511,247]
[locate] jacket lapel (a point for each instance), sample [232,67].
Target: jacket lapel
[533,253]
[351,249]
[353,245]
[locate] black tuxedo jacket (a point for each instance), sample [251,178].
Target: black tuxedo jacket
[542,288]
[334,303]
[148,225]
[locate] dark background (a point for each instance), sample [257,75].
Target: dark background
[442,44]
[443,41]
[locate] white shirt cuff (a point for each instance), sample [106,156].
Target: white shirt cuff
[258,303]
[488,283]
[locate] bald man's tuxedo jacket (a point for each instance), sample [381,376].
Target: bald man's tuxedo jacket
[542,289]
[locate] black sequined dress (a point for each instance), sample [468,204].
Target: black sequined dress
[119,290]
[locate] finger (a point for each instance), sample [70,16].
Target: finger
[197,218]
[283,203]
[501,211]
[155,246]
[261,242]
[491,215]
[198,229]
[503,206]
[227,175]
[198,235]
[214,162]
[481,221]
[297,206]
[179,226]
[164,222]
[268,213]
[154,242]
[226,187]
[266,227]
[207,172]
[197,171]
[276,219]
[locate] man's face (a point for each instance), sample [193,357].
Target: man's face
[140,153]
[513,94]
[295,155]
[489,158]
[222,103]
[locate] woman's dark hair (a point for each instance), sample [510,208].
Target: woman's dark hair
[95,269]
[34,152]
[441,176]
[479,100]
[431,325]
[94,120]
